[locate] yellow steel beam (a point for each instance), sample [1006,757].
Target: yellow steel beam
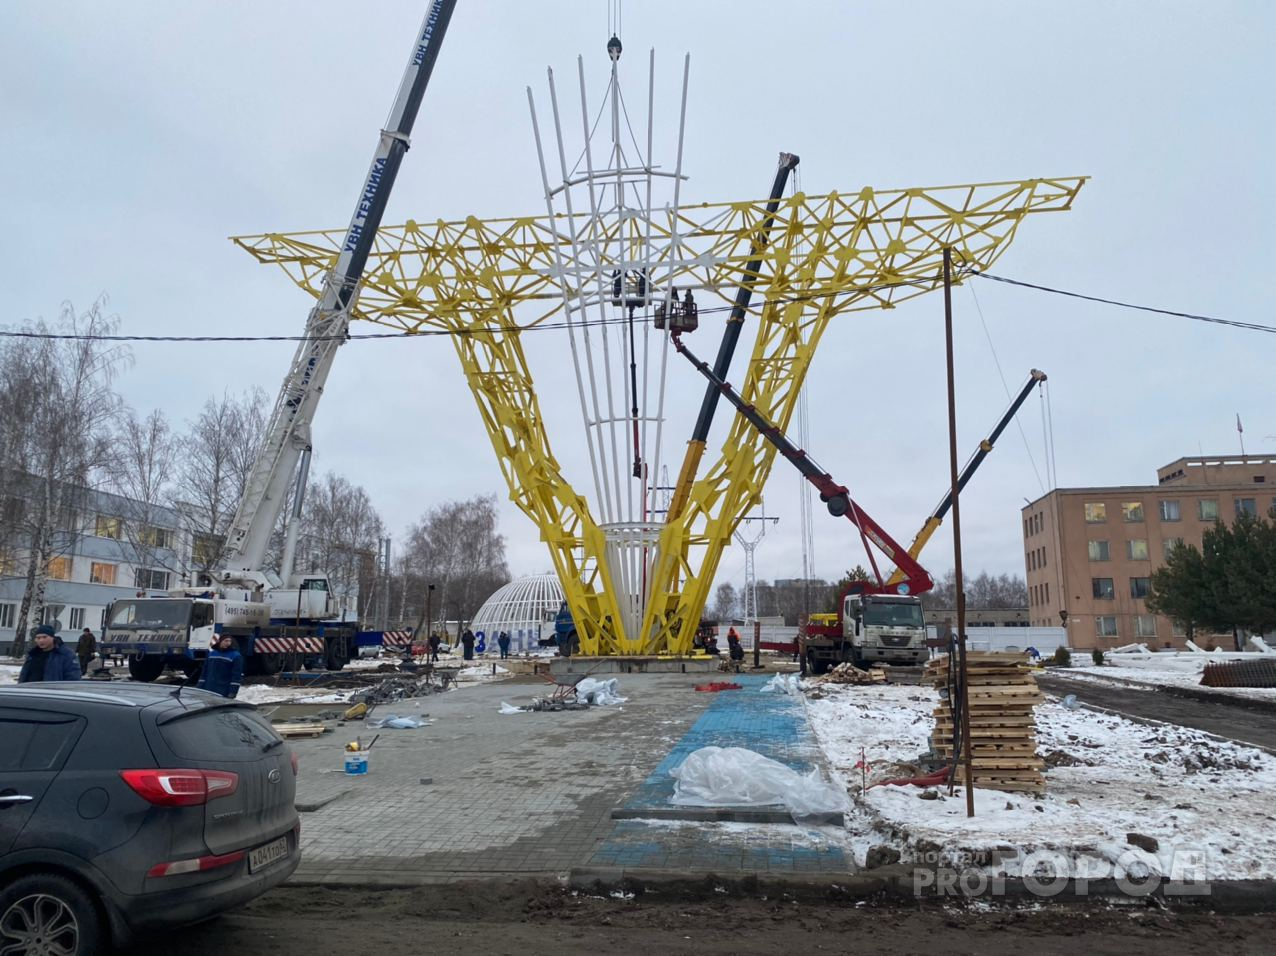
[484,281]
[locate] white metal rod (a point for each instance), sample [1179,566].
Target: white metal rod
[562,284]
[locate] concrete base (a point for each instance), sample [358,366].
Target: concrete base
[580,666]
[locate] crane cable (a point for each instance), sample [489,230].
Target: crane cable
[1006,388]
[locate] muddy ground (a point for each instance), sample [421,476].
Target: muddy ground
[526,919]
[1237,719]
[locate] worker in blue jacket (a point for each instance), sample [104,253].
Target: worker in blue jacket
[49,659]
[224,668]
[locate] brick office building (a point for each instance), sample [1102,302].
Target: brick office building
[1089,552]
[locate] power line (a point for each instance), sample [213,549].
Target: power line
[1253,326]
[593,323]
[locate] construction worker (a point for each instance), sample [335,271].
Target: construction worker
[224,668]
[503,642]
[85,649]
[467,644]
[434,643]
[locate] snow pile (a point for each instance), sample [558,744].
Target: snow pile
[481,672]
[1106,777]
[508,708]
[9,673]
[1165,669]
[267,694]
[735,777]
[600,693]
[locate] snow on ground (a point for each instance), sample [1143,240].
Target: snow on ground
[481,672]
[1165,668]
[9,673]
[1208,804]
[287,694]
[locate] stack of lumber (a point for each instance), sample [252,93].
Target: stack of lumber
[850,674]
[1002,727]
[300,729]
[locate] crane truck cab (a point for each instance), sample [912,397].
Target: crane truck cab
[867,629]
[884,628]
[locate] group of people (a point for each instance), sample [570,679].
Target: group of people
[468,643]
[735,650]
[49,659]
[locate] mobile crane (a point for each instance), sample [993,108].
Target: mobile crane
[875,621]
[244,598]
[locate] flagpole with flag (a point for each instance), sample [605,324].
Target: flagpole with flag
[1241,432]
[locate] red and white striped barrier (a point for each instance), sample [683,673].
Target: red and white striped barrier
[396,638]
[288,645]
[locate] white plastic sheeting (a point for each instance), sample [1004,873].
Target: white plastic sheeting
[600,693]
[507,708]
[781,684]
[735,777]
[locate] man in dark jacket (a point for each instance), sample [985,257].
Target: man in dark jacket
[85,648]
[467,644]
[503,642]
[49,659]
[434,643]
[224,668]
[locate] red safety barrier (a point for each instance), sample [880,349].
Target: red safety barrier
[718,685]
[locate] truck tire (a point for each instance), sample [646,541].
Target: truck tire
[266,664]
[814,665]
[336,658]
[145,668]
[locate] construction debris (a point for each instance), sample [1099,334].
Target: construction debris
[1002,693]
[1240,674]
[395,688]
[848,673]
[297,729]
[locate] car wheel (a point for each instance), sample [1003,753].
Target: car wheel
[47,913]
[146,668]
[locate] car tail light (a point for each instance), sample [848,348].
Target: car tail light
[181,788]
[296,764]
[196,865]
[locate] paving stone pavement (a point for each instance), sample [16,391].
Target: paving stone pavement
[533,793]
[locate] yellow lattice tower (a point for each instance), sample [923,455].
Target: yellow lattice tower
[827,255]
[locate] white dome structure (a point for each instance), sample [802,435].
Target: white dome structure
[525,608]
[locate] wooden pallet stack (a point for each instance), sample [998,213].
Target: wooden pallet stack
[1002,727]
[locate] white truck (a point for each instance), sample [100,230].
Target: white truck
[870,629]
[272,616]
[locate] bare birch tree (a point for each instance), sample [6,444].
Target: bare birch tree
[66,437]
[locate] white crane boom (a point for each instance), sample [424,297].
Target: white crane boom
[288,435]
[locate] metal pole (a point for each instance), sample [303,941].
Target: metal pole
[757,645]
[964,692]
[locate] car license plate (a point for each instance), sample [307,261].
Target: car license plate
[263,856]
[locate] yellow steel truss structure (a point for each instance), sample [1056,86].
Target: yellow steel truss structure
[825,255]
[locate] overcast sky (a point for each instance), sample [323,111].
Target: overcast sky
[139,135]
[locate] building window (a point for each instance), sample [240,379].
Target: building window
[1207,509]
[100,573]
[1047,601]
[107,526]
[150,580]
[1246,506]
[1138,587]
[77,618]
[1095,511]
[1042,562]
[1132,510]
[206,549]
[101,621]
[1098,550]
[8,564]
[60,568]
[6,614]
[1136,549]
[1169,511]
[1169,545]
[1106,625]
[1102,589]
[1144,625]
[152,537]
